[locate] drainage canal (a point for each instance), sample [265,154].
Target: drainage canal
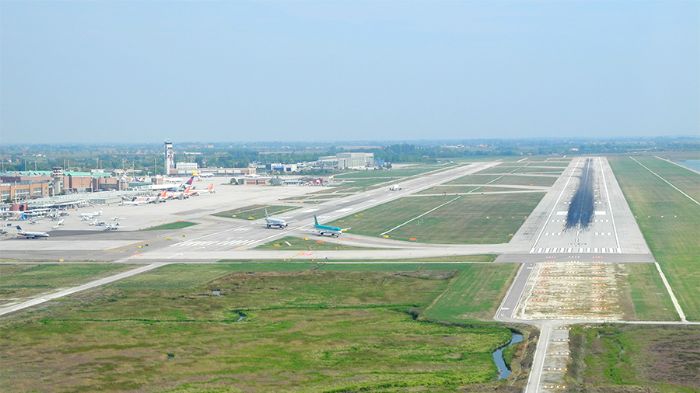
[503,369]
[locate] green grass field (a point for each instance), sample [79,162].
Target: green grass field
[19,281]
[296,328]
[468,219]
[392,173]
[626,359]
[296,243]
[474,293]
[474,179]
[254,212]
[545,181]
[682,178]
[471,189]
[359,181]
[645,297]
[171,225]
[669,222]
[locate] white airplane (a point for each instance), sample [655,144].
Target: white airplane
[173,187]
[272,222]
[30,235]
[58,224]
[90,216]
[144,200]
[112,227]
[208,174]
[190,191]
[395,187]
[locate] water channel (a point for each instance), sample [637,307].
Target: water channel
[503,369]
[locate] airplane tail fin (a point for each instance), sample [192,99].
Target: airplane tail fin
[19,228]
[190,181]
[315,220]
[266,215]
[210,187]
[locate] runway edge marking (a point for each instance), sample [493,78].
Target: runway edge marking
[607,196]
[574,166]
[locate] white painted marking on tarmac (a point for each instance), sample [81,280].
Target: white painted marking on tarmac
[553,208]
[420,215]
[666,181]
[677,305]
[607,197]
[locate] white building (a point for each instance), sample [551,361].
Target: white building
[355,160]
[169,158]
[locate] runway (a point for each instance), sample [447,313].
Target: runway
[610,227]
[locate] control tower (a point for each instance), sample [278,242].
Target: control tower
[169,158]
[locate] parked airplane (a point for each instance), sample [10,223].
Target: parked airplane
[173,187]
[271,222]
[175,194]
[395,187]
[30,235]
[190,191]
[328,229]
[112,227]
[90,216]
[58,224]
[144,200]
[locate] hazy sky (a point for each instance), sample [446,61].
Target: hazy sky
[332,70]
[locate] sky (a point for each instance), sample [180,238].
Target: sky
[137,71]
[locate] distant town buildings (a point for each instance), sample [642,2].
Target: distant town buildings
[21,185]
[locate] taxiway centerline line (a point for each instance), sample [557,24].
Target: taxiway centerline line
[420,215]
